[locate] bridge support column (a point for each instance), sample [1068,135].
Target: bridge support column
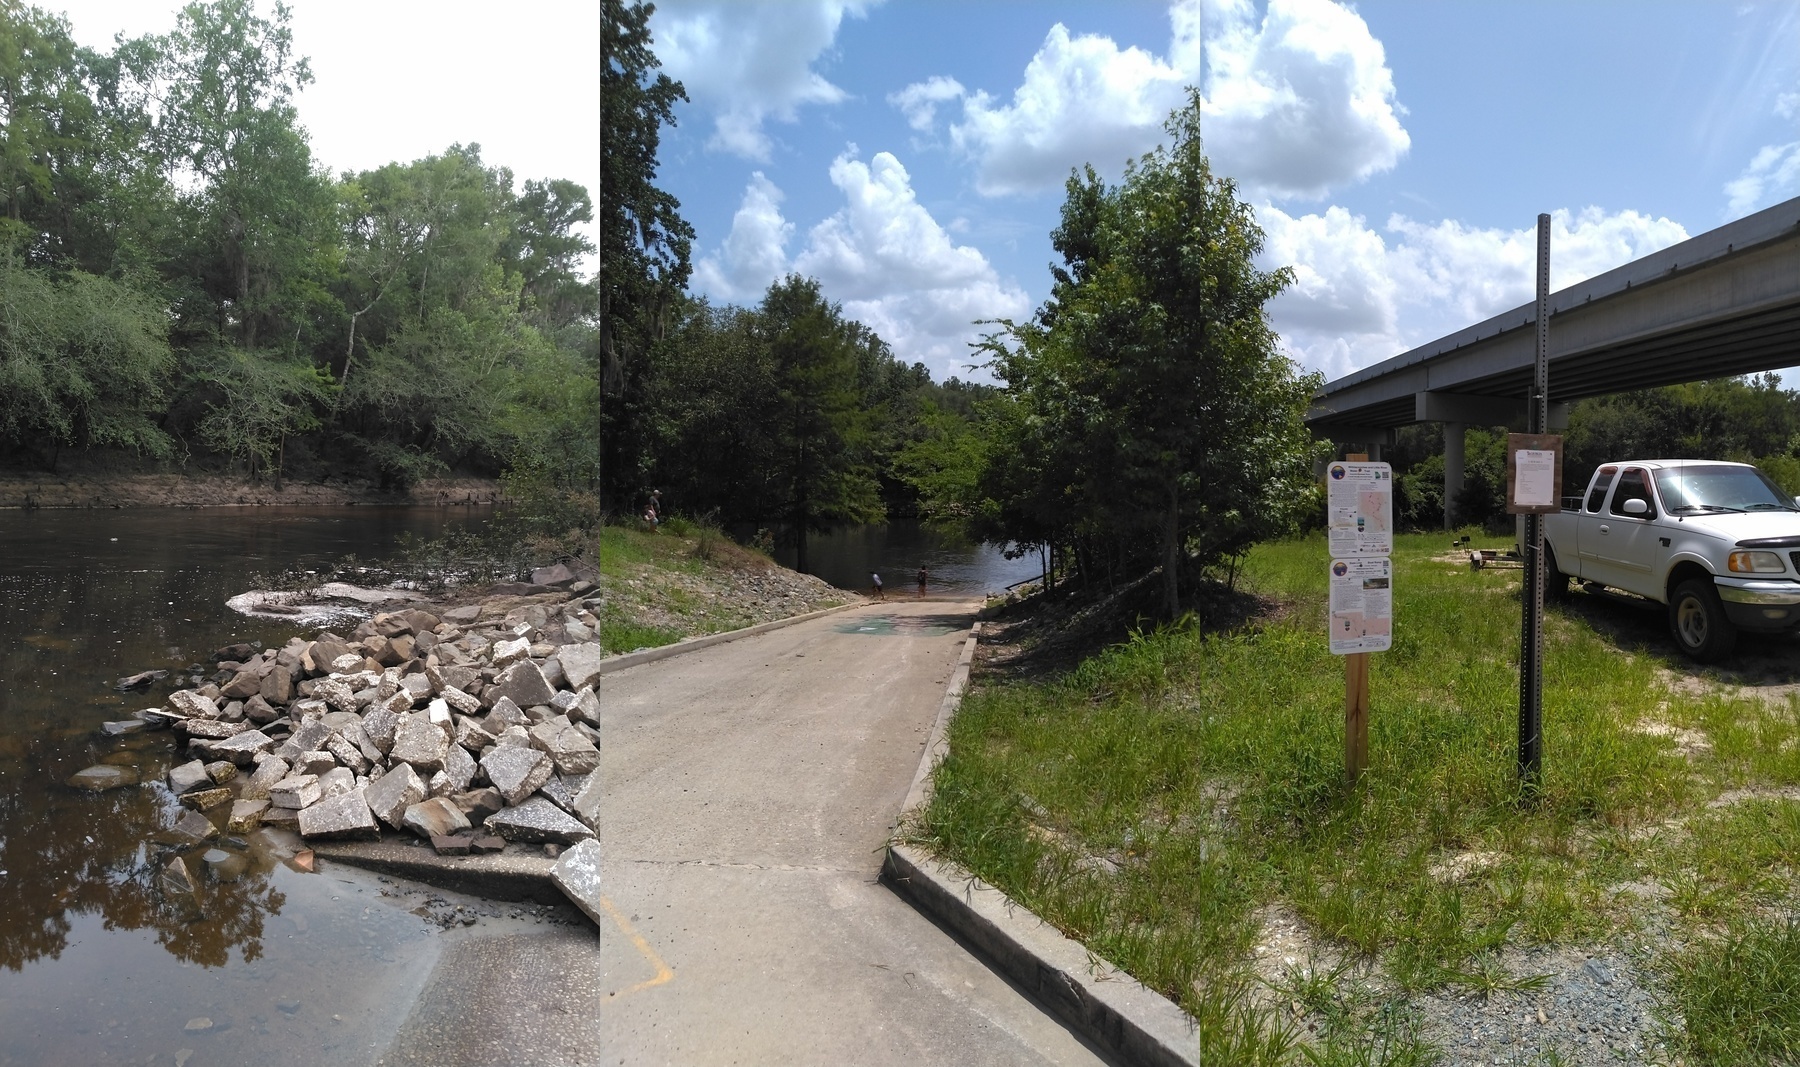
[1453,470]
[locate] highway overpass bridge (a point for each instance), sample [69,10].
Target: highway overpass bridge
[1723,303]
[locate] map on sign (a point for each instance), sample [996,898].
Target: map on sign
[1362,605]
[1359,502]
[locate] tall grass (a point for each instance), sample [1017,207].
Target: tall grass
[1152,800]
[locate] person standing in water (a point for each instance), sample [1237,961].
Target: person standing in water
[922,577]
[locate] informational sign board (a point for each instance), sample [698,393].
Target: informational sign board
[1362,605]
[1359,502]
[1533,473]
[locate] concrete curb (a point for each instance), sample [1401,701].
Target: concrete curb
[1097,1000]
[691,644]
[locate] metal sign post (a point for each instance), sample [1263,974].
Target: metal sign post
[1531,638]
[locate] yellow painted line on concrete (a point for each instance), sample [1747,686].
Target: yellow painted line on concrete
[663,974]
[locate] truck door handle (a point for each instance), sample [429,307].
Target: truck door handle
[1605,529]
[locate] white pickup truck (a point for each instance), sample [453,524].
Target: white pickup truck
[1719,543]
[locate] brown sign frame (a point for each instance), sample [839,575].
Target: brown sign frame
[1542,442]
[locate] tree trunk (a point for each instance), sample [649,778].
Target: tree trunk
[1172,555]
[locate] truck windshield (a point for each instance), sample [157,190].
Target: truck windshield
[1720,488]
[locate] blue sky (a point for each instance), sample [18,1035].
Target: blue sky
[910,154]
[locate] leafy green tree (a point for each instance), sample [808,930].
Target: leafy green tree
[644,242]
[262,401]
[1175,423]
[822,470]
[84,361]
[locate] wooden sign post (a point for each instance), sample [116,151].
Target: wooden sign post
[1359,497]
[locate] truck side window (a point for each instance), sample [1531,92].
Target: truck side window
[1632,486]
[1602,483]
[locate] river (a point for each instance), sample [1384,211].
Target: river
[95,966]
[896,550]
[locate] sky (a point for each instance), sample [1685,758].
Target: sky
[397,80]
[910,154]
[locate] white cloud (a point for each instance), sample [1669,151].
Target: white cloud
[882,256]
[1773,173]
[754,254]
[750,60]
[897,270]
[1360,297]
[1082,100]
[1300,103]
[919,101]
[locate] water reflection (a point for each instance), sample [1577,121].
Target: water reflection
[896,550]
[86,598]
[77,852]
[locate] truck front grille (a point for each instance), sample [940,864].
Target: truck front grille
[1795,556]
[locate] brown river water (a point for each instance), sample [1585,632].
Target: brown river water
[96,967]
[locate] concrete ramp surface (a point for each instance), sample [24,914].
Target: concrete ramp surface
[749,789]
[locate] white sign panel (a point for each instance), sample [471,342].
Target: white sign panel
[1362,605]
[1359,500]
[1534,483]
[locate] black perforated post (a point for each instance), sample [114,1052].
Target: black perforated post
[1531,633]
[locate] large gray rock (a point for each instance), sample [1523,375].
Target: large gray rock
[336,782]
[507,653]
[343,817]
[240,749]
[192,705]
[502,714]
[523,683]
[421,744]
[516,770]
[572,751]
[104,776]
[390,795]
[478,804]
[459,770]
[310,737]
[461,701]
[435,817]
[587,707]
[189,777]
[580,664]
[381,723]
[246,815]
[463,616]
[471,736]
[176,880]
[347,754]
[587,801]
[316,763]
[210,729]
[193,827]
[277,686]
[577,874]
[267,773]
[296,791]
[538,820]
[336,692]
[557,574]
[244,684]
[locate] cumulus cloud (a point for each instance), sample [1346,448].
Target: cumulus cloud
[882,256]
[896,269]
[1082,100]
[750,60]
[919,101]
[1773,174]
[754,253]
[1361,295]
[1300,102]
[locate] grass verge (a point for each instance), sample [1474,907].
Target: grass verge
[1161,800]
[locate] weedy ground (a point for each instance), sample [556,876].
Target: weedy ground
[685,579]
[1178,802]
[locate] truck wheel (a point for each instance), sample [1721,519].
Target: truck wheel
[1697,619]
[1556,583]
